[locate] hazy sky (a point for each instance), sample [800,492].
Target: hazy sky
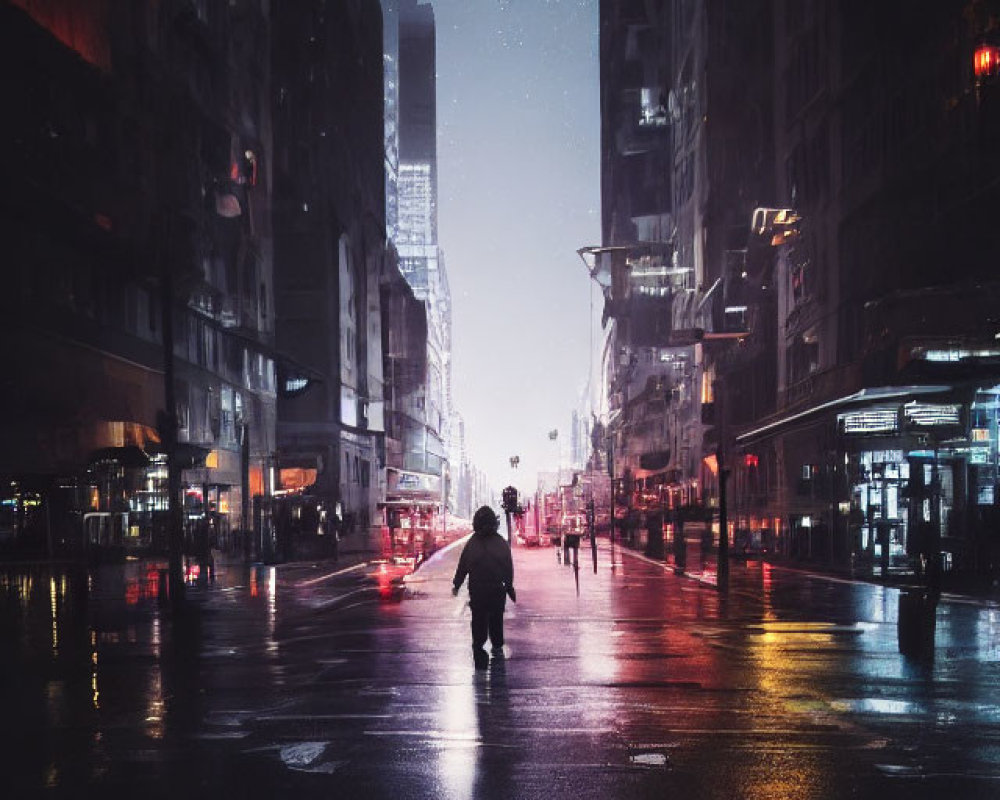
[519,192]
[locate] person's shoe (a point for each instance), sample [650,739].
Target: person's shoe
[480,658]
[497,651]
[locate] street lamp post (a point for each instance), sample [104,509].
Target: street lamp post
[611,475]
[722,570]
[168,425]
[718,389]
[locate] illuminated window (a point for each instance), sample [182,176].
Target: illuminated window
[653,108]
[707,393]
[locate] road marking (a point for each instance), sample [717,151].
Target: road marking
[344,571]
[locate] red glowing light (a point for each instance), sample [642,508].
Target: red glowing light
[750,460]
[986,60]
[131,593]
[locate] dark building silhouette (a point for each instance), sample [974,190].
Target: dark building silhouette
[823,247]
[673,260]
[135,163]
[330,249]
[882,453]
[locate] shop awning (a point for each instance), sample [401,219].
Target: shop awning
[873,395]
[188,455]
[132,456]
[655,461]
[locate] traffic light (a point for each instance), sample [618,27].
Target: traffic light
[510,499]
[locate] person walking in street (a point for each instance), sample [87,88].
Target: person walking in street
[487,562]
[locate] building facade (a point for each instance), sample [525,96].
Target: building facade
[881,452]
[140,305]
[416,240]
[330,252]
[823,246]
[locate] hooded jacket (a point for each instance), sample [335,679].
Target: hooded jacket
[486,560]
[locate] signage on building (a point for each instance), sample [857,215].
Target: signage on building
[929,414]
[405,485]
[870,420]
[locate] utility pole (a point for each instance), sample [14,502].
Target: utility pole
[247,524]
[592,524]
[169,423]
[611,474]
[170,251]
[722,572]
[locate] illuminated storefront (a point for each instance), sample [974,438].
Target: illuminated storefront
[412,523]
[888,485]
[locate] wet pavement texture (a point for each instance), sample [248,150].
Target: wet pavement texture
[312,680]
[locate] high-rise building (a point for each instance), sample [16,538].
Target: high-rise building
[881,453]
[417,332]
[420,259]
[822,256]
[646,263]
[390,60]
[330,251]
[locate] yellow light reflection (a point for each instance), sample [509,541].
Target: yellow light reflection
[154,706]
[95,698]
[788,697]
[54,606]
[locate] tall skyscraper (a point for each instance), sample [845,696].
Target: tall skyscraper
[416,235]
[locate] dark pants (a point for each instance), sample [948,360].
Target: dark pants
[487,621]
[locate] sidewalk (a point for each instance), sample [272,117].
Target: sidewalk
[702,566]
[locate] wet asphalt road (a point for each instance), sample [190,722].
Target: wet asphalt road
[307,681]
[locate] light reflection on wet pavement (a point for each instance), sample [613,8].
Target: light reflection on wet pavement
[317,681]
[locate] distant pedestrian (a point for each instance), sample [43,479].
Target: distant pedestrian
[330,525]
[486,560]
[203,551]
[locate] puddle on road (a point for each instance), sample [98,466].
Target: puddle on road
[899,770]
[649,759]
[308,757]
[378,691]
